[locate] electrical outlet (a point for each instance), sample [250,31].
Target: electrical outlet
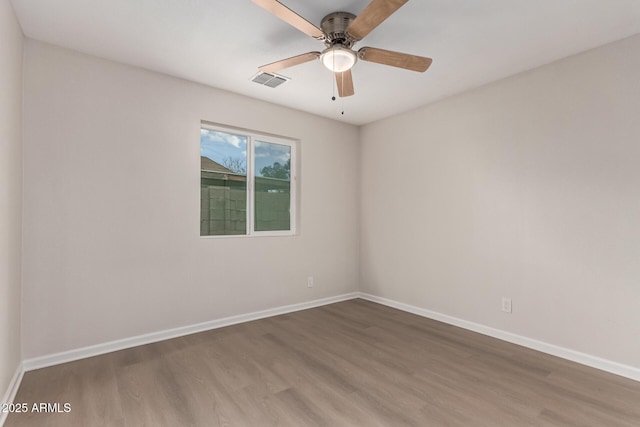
[506,305]
[309,281]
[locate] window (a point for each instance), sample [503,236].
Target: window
[247,183]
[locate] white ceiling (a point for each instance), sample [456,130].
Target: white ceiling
[221,43]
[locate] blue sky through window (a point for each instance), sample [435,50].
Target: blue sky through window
[221,146]
[268,153]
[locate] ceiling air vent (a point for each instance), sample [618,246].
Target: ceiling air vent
[267,79]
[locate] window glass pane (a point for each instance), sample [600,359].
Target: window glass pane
[272,186]
[223,183]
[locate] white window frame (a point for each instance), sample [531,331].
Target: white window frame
[252,137]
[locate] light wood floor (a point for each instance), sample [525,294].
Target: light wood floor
[353,363]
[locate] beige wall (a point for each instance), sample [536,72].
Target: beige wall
[10,191]
[527,188]
[106,141]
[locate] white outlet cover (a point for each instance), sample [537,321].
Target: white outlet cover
[506,305]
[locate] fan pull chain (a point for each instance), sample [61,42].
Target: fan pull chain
[333,87]
[342,98]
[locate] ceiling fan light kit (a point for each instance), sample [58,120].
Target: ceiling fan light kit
[340,31]
[338,59]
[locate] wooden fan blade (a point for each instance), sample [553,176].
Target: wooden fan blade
[290,17]
[395,59]
[344,81]
[372,16]
[290,62]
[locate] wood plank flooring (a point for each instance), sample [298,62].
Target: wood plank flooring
[353,363]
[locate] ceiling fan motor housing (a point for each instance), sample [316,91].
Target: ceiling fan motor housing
[334,26]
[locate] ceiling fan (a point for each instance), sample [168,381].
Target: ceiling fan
[340,31]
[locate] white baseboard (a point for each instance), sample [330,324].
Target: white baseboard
[565,353]
[98,349]
[10,394]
